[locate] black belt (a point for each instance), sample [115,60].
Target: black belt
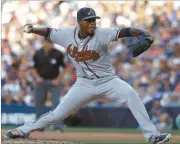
[91,78]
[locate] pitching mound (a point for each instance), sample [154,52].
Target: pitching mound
[77,138]
[69,137]
[33,141]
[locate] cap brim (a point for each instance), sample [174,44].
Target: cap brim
[91,17]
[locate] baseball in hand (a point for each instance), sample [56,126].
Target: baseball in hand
[28,28]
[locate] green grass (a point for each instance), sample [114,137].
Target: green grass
[109,130]
[110,142]
[100,130]
[115,142]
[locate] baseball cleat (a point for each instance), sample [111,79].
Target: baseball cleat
[14,134]
[160,138]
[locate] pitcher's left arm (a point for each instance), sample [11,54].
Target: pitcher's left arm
[143,42]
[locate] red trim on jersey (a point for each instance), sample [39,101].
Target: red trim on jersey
[86,48]
[85,62]
[86,44]
[117,34]
[83,50]
[75,36]
[91,70]
[77,45]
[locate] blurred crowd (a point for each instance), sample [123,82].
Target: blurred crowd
[156,72]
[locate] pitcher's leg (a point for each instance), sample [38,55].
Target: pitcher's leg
[119,90]
[139,111]
[73,100]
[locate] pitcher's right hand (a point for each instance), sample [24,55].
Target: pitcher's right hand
[28,28]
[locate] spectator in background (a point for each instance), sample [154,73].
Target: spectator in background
[47,62]
[159,115]
[11,86]
[162,18]
[8,99]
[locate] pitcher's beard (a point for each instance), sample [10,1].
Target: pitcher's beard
[91,34]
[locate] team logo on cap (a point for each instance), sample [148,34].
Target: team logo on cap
[91,12]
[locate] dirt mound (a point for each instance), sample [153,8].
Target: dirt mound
[33,141]
[74,138]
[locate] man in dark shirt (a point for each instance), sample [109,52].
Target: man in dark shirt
[47,63]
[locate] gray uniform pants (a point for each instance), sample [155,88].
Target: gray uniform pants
[83,91]
[40,93]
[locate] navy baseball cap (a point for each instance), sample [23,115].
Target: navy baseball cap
[86,13]
[157,96]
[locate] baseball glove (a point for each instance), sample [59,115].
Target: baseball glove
[141,45]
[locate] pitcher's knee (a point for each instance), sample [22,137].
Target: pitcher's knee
[55,117]
[132,93]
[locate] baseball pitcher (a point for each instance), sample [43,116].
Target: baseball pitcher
[87,47]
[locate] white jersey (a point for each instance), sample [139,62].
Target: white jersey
[90,55]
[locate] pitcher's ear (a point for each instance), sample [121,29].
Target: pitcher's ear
[78,21]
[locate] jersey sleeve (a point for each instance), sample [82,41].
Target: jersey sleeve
[110,35]
[58,36]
